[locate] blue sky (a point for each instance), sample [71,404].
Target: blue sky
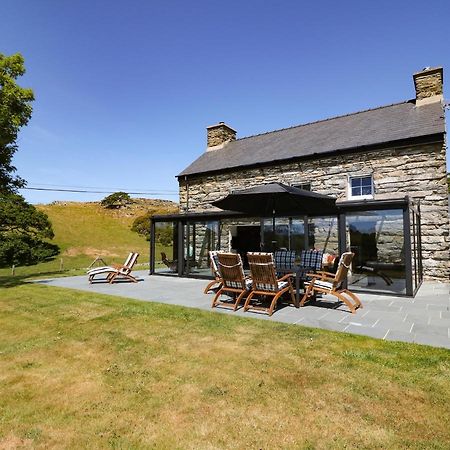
[125,89]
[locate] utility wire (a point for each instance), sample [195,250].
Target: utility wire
[113,189]
[97,192]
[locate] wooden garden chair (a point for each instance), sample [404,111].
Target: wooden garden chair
[265,281]
[116,271]
[215,271]
[330,283]
[234,281]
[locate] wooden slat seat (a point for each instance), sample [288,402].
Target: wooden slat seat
[233,279]
[330,283]
[214,261]
[265,282]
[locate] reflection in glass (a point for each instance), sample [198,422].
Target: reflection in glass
[288,234]
[323,235]
[166,247]
[376,238]
[199,239]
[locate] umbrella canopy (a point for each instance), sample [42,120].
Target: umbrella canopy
[277,199]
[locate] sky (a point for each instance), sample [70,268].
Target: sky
[125,89]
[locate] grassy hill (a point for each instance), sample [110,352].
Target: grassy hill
[84,231]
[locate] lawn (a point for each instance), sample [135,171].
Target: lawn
[79,370]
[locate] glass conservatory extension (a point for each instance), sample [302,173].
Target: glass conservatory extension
[383,235]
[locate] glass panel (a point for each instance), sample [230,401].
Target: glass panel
[376,238]
[200,239]
[289,234]
[414,260]
[367,190]
[416,253]
[166,248]
[366,181]
[356,191]
[323,235]
[278,238]
[240,236]
[297,235]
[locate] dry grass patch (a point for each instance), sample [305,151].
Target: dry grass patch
[81,370]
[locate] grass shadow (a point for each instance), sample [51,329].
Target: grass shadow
[17,280]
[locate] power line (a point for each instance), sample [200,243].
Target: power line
[108,188]
[96,192]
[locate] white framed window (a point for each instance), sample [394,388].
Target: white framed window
[304,186]
[360,187]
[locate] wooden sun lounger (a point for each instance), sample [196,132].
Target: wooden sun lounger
[116,271]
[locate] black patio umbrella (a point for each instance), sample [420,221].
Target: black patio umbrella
[277,199]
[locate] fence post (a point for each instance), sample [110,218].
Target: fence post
[13,270]
[61,265]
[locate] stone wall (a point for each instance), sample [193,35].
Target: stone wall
[418,171]
[428,83]
[219,134]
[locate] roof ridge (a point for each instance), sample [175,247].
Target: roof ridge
[323,120]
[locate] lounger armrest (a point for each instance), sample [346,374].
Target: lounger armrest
[326,274]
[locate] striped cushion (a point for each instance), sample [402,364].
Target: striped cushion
[96,269]
[105,269]
[321,284]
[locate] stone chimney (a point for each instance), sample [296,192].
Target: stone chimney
[219,135]
[428,84]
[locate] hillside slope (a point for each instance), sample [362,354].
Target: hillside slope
[91,230]
[84,231]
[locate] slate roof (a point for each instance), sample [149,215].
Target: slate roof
[385,124]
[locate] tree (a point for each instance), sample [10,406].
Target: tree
[23,229]
[164,234]
[141,225]
[116,200]
[15,112]
[23,232]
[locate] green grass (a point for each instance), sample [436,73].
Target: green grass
[84,231]
[79,370]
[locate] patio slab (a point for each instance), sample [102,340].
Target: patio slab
[423,320]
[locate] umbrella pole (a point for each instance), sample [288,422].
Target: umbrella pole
[274,241]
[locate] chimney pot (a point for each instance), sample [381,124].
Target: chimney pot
[429,85]
[218,135]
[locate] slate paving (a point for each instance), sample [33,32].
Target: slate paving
[424,319]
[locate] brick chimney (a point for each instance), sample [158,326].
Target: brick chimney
[428,84]
[219,135]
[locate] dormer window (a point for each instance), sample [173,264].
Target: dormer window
[360,187]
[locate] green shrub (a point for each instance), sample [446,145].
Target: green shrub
[116,200]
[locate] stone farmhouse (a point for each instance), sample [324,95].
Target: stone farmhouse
[386,167]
